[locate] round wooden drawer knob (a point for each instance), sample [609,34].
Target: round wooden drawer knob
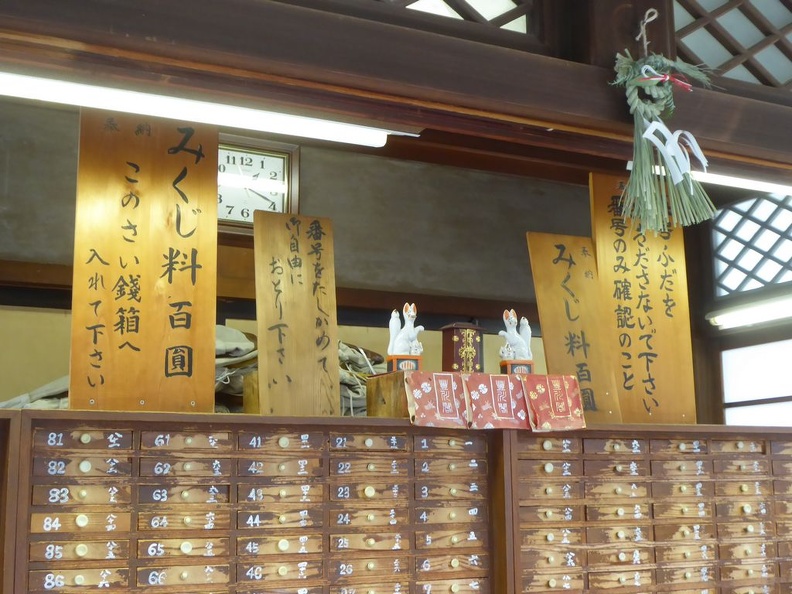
[282,519]
[79,580]
[370,517]
[368,442]
[283,545]
[85,438]
[686,554]
[548,467]
[186,547]
[622,579]
[371,565]
[747,509]
[370,542]
[283,570]
[453,491]
[749,572]
[620,535]
[551,583]
[454,563]
[85,466]
[452,516]
[740,445]
[622,557]
[549,490]
[281,467]
[688,575]
[187,466]
[682,467]
[82,493]
[686,532]
[742,467]
[683,488]
[682,447]
[550,537]
[550,559]
[283,442]
[184,575]
[743,488]
[188,441]
[184,494]
[683,509]
[452,443]
[549,513]
[371,467]
[749,529]
[454,539]
[369,492]
[282,493]
[616,447]
[547,445]
[81,521]
[618,468]
[452,467]
[187,520]
[81,550]
[617,490]
[455,588]
[371,592]
[748,551]
[620,511]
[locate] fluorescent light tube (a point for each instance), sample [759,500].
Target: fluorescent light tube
[752,313]
[82,95]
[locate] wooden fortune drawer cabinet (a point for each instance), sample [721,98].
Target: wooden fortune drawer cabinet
[179,504]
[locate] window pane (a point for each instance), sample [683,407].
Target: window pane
[778,414]
[754,372]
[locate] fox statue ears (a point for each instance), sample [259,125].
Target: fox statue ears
[508,313]
[409,307]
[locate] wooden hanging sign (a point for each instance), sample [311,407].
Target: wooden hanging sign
[145,265]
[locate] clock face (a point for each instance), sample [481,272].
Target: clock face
[248,180]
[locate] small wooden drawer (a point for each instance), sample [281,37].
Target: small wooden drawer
[472,444]
[182,494]
[78,550]
[465,564]
[370,517]
[368,541]
[757,587]
[73,494]
[547,468]
[685,553]
[619,534]
[443,514]
[747,571]
[746,530]
[782,468]
[531,514]
[83,439]
[686,447]
[748,466]
[78,523]
[368,442]
[785,549]
[281,468]
[692,532]
[760,488]
[451,490]
[279,544]
[782,487]
[185,441]
[279,571]
[742,551]
[784,528]
[621,469]
[192,519]
[540,581]
[683,489]
[616,490]
[621,445]
[738,446]
[360,466]
[280,517]
[690,468]
[391,587]
[630,556]
[281,493]
[618,512]
[553,558]
[476,467]
[182,547]
[349,569]
[82,466]
[317,588]
[548,446]
[462,585]
[781,448]
[65,580]
[550,491]
[609,580]
[185,467]
[688,576]
[551,536]
[369,491]
[745,508]
[285,442]
[476,538]
[682,510]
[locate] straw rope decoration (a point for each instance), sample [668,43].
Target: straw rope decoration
[660,190]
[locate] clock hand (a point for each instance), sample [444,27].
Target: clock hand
[272,202]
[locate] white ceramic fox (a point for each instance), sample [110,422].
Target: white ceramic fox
[404,339]
[518,344]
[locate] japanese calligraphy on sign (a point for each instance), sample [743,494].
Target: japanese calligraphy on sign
[570,314]
[143,302]
[646,308]
[296,315]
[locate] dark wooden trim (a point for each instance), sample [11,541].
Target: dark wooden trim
[742,403]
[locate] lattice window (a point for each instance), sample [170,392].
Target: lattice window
[752,244]
[503,14]
[746,40]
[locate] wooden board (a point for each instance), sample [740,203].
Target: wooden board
[648,317]
[572,318]
[296,315]
[145,262]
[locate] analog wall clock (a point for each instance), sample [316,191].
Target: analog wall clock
[254,175]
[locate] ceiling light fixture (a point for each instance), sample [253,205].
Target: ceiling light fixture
[757,312]
[177,108]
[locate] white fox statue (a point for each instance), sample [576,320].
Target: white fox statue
[518,343]
[404,339]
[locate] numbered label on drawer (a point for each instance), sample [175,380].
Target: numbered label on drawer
[306,493]
[194,519]
[183,547]
[475,444]
[175,467]
[153,440]
[54,495]
[107,466]
[182,575]
[86,550]
[384,516]
[183,494]
[282,570]
[280,544]
[283,467]
[282,442]
[357,568]
[368,442]
[88,439]
[79,579]
[280,517]
[48,523]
